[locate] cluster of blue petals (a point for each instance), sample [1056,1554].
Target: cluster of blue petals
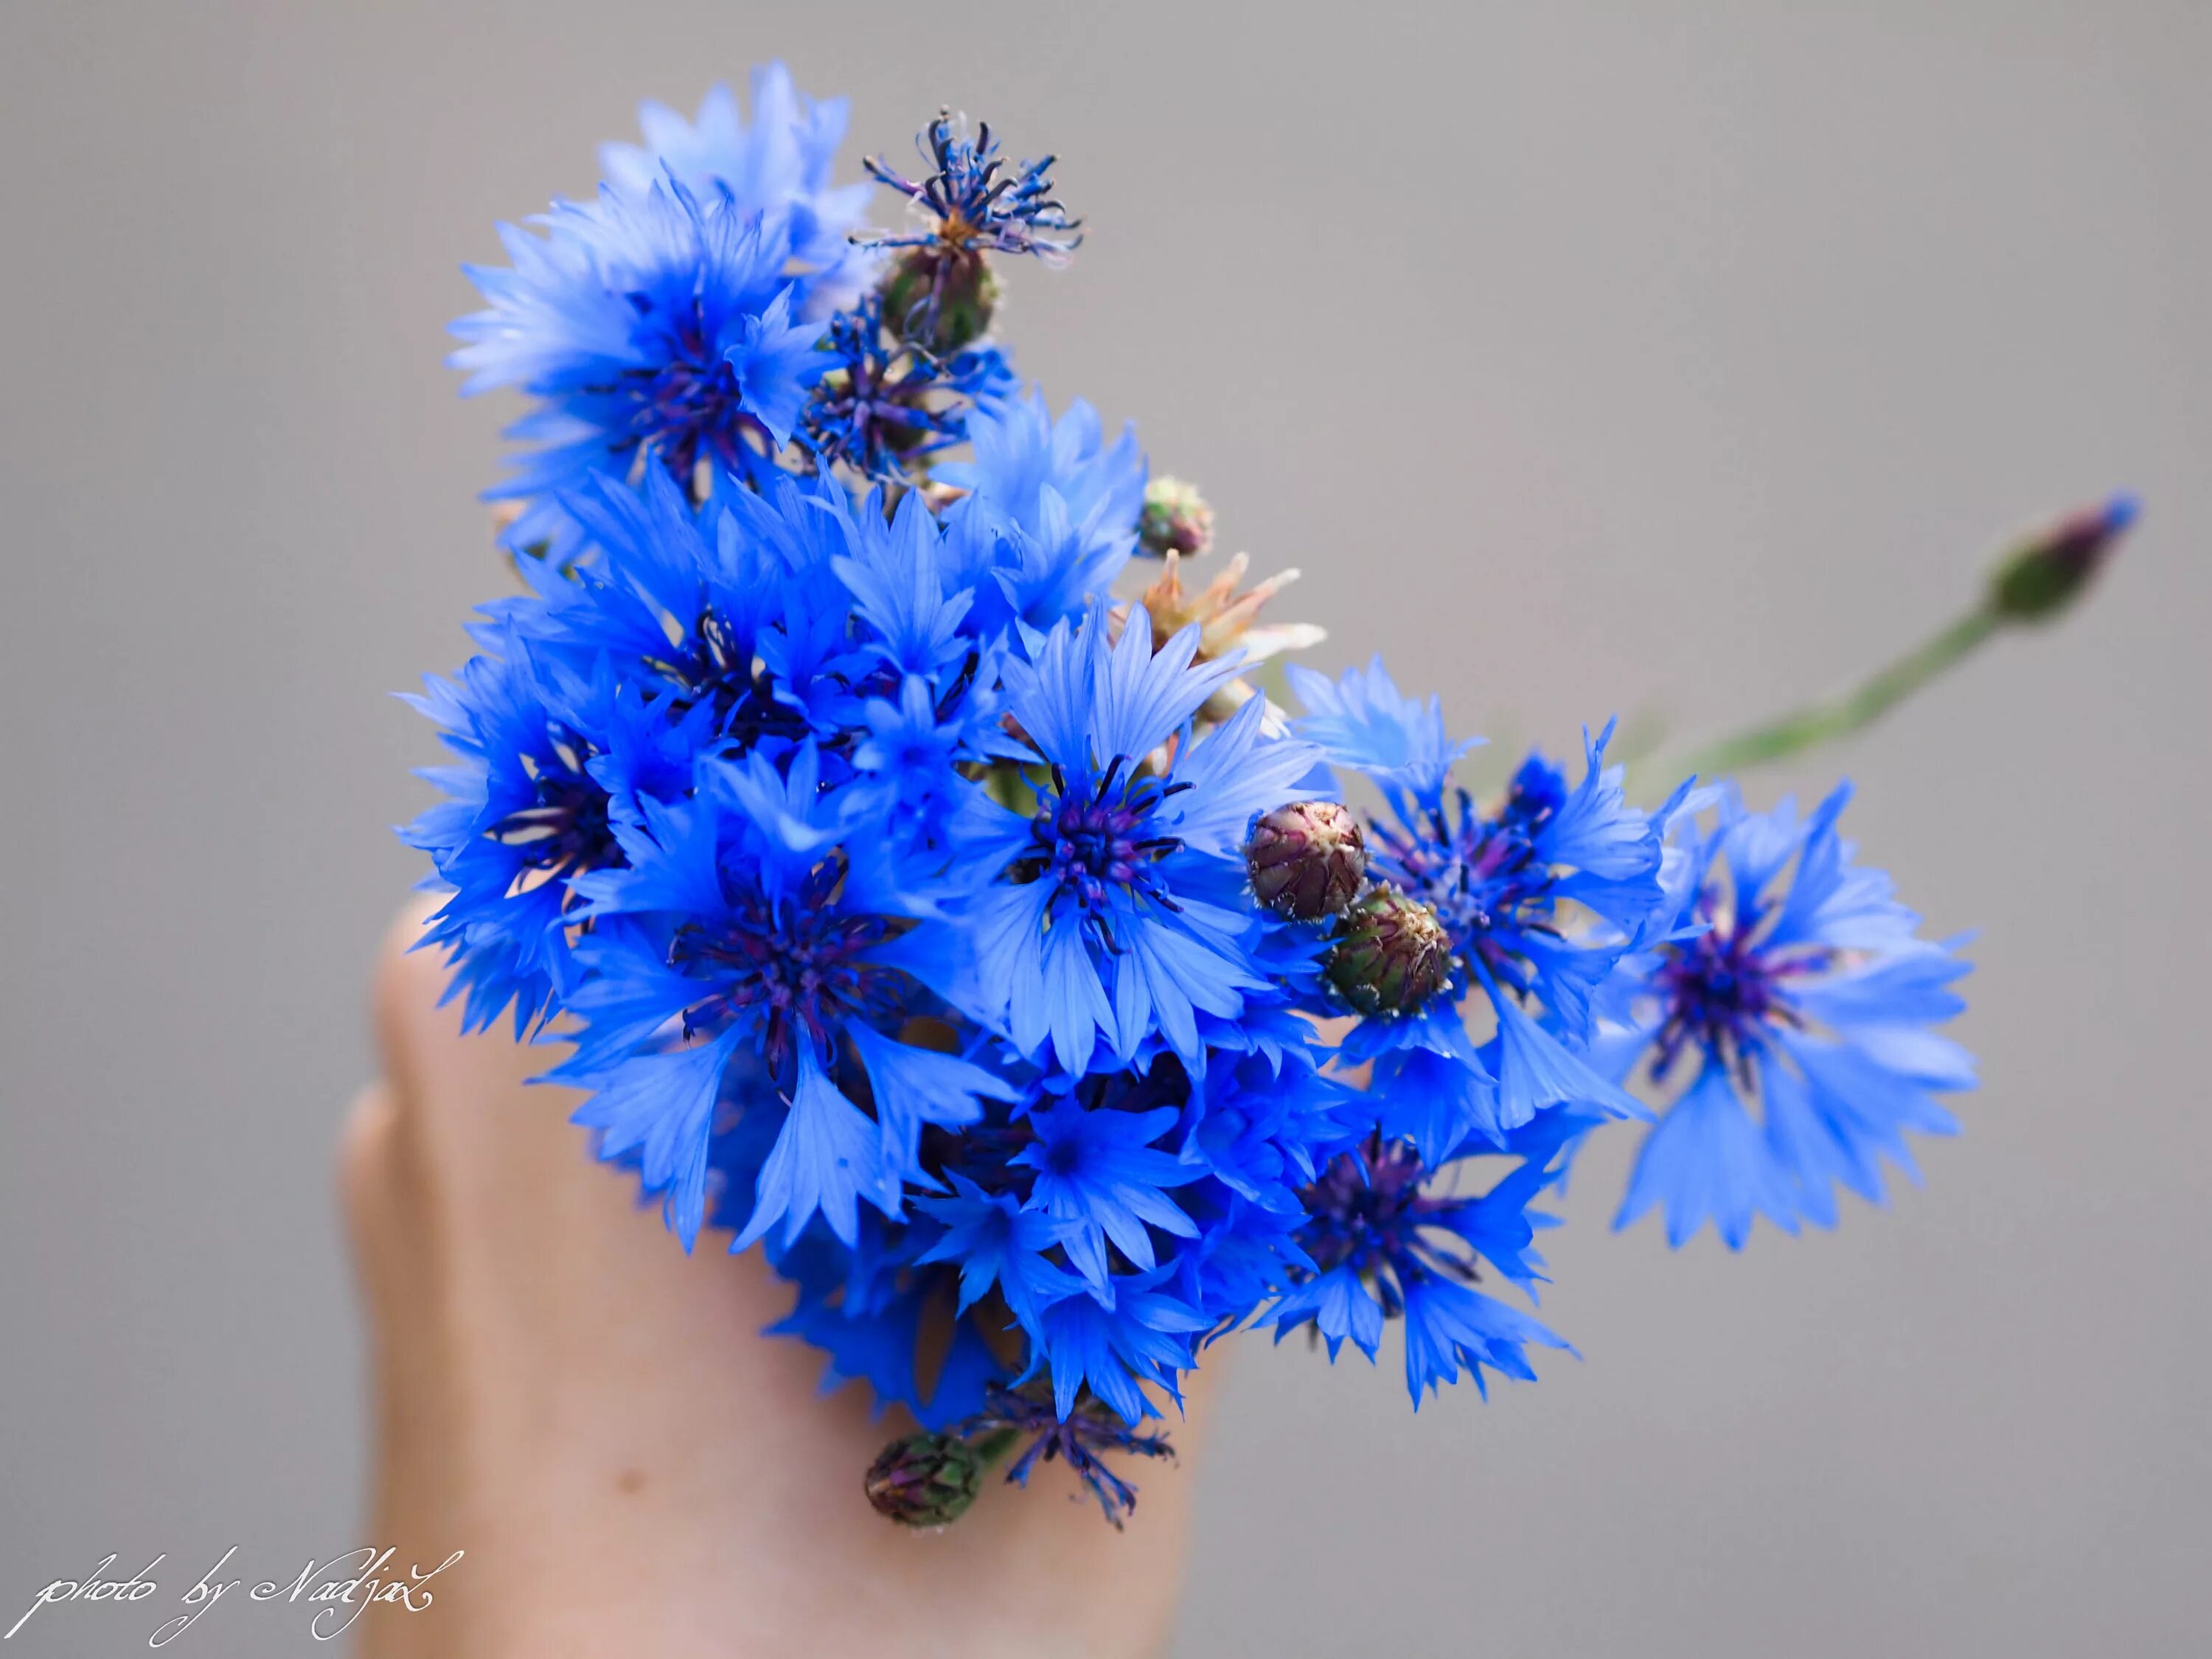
[1788,997]
[888,882]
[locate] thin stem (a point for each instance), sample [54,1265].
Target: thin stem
[1852,712]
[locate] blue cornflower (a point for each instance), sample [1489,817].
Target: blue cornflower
[780,163]
[1364,721]
[1119,911]
[1506,884]
[973,205]
[549,762]
[880,405]
[1781,976]
[1052,512]
[658,328]
[1098,1171]
[762,930]
[724,608]
[997,1242]
[1383,1246]
[1114,1346]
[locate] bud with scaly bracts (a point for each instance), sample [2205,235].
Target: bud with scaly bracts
[1307,860]
[1175,519]
[1392,953]
[925,1480]
[2051,571]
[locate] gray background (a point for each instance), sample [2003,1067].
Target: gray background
[1586,356]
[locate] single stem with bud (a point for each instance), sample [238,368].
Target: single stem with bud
[2043,575]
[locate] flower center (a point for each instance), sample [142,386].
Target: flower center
[687,409]
[792,964]
[715,667]
[1481,877]
[1362,1200]
[1367,1211]
[1722,990]
[566,829]
[876,405]
[1091,840]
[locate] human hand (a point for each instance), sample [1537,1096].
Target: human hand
[593,1417]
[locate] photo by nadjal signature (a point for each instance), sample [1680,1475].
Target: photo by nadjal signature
[340,1591]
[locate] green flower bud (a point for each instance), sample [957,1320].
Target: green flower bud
[966,297]
[1307,860]
[2049,573]
[925,1480]
[1175,519]
[1391,954]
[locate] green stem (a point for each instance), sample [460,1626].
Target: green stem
[993,1446]
[1854,711]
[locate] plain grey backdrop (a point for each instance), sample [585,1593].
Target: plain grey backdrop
[1587,357]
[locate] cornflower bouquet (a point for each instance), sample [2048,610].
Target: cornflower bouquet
[1001,959]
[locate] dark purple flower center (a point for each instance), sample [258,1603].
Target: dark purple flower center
[687,409]
[977,203]
[1722,990]
[1094,840]
[715,666]
[1481,876]
[1367,1211]
[791,964]
[566,829]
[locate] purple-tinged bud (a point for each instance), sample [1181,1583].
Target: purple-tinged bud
[1307,859]
[940,300]
[1391,954]
[925,1480]
[2049,572]
[1176,518]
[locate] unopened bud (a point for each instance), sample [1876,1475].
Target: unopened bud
[1307,860]
[1176,518]
[2048,573]
[941,301]
[925,1480]
[1391,955]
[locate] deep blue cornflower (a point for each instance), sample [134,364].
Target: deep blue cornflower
[1384,1246]
[1120,907]
[724,608]
[659,328]
[762,930]
[779,163]
[1537,896]
[1098,1170]
[973,203]
[882,406]
[548,763]
[1052,508]
[999,1243]
[874,1309]
[1136,1336]
[1781,979]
